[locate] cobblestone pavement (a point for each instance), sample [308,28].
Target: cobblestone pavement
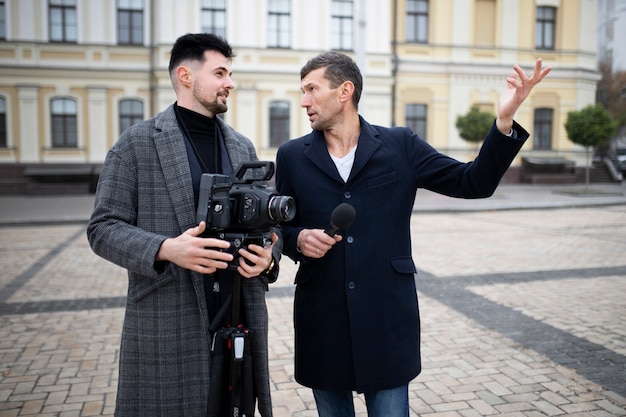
[522,311]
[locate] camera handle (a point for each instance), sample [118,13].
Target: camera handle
[267,165]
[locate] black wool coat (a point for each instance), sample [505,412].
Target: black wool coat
[356,310]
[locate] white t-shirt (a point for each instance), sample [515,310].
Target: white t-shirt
[344,165]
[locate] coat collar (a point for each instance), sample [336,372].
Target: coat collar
[317,152]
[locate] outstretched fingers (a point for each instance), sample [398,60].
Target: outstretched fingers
[539,74]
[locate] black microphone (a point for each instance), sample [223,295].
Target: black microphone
[342,216]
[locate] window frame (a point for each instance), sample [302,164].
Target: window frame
[213,10]
[541,126]
[414,119]
[67,12]
[342,25]
[68,121]
[415,19]
[3,20]
[278,24]
[4,134]
[132,117]
[279,122]
[135,14]
[543,25]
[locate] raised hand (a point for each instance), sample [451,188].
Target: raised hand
[518,87]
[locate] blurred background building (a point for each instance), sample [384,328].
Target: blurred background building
[75,73]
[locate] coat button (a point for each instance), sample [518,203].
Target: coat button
[347,194]
[350,239]
[351,285]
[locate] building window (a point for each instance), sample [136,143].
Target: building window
[64,129]
[3,123]
[417,21]
[213,17]
[542,129]
[130,22]
[415,118]
[544,31]
[3,20]
[279,28]
[131,112]
[279,123]
[62,20]
[342,25]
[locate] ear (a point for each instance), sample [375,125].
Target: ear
[183,74]
[346,89]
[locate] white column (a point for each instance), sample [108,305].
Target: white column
[97,133]
[27,145]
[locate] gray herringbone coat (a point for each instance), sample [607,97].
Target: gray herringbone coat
[145,195]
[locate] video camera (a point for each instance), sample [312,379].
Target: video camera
[242,211]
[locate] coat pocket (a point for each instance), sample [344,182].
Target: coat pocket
[382,180]
[403,265]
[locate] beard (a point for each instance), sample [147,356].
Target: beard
[215,106]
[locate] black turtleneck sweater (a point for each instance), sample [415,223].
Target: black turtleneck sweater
[200,130]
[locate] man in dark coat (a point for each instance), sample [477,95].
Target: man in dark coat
[144,220]
[356,309]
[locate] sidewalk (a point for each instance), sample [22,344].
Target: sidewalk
[15,210]
[521,311]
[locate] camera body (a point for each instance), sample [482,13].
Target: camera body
[242,211]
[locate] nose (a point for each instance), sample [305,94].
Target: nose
[229,84]
[305,101]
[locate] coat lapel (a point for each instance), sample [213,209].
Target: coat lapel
[172,153]
[317,151]
[369,141]
[170,146]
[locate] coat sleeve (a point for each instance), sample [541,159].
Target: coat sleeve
[476,179]
[284,186]
[112,230]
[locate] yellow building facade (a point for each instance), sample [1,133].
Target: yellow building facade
[75,73]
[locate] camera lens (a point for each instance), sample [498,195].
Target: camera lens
[281,208]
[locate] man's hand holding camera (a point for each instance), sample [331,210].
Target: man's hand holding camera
[256,260]
[201,254]
[208,254]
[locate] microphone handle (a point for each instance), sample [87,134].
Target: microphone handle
[331,230]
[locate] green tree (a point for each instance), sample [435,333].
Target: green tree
[590,127]
[474,125]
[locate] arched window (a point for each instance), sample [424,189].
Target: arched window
[64,128]
[279,123]
[131,112]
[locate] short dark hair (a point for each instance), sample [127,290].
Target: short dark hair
[193,45]
[339,68]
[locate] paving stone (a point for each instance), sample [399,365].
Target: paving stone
[526,331]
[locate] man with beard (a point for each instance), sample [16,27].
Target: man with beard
[144,220]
